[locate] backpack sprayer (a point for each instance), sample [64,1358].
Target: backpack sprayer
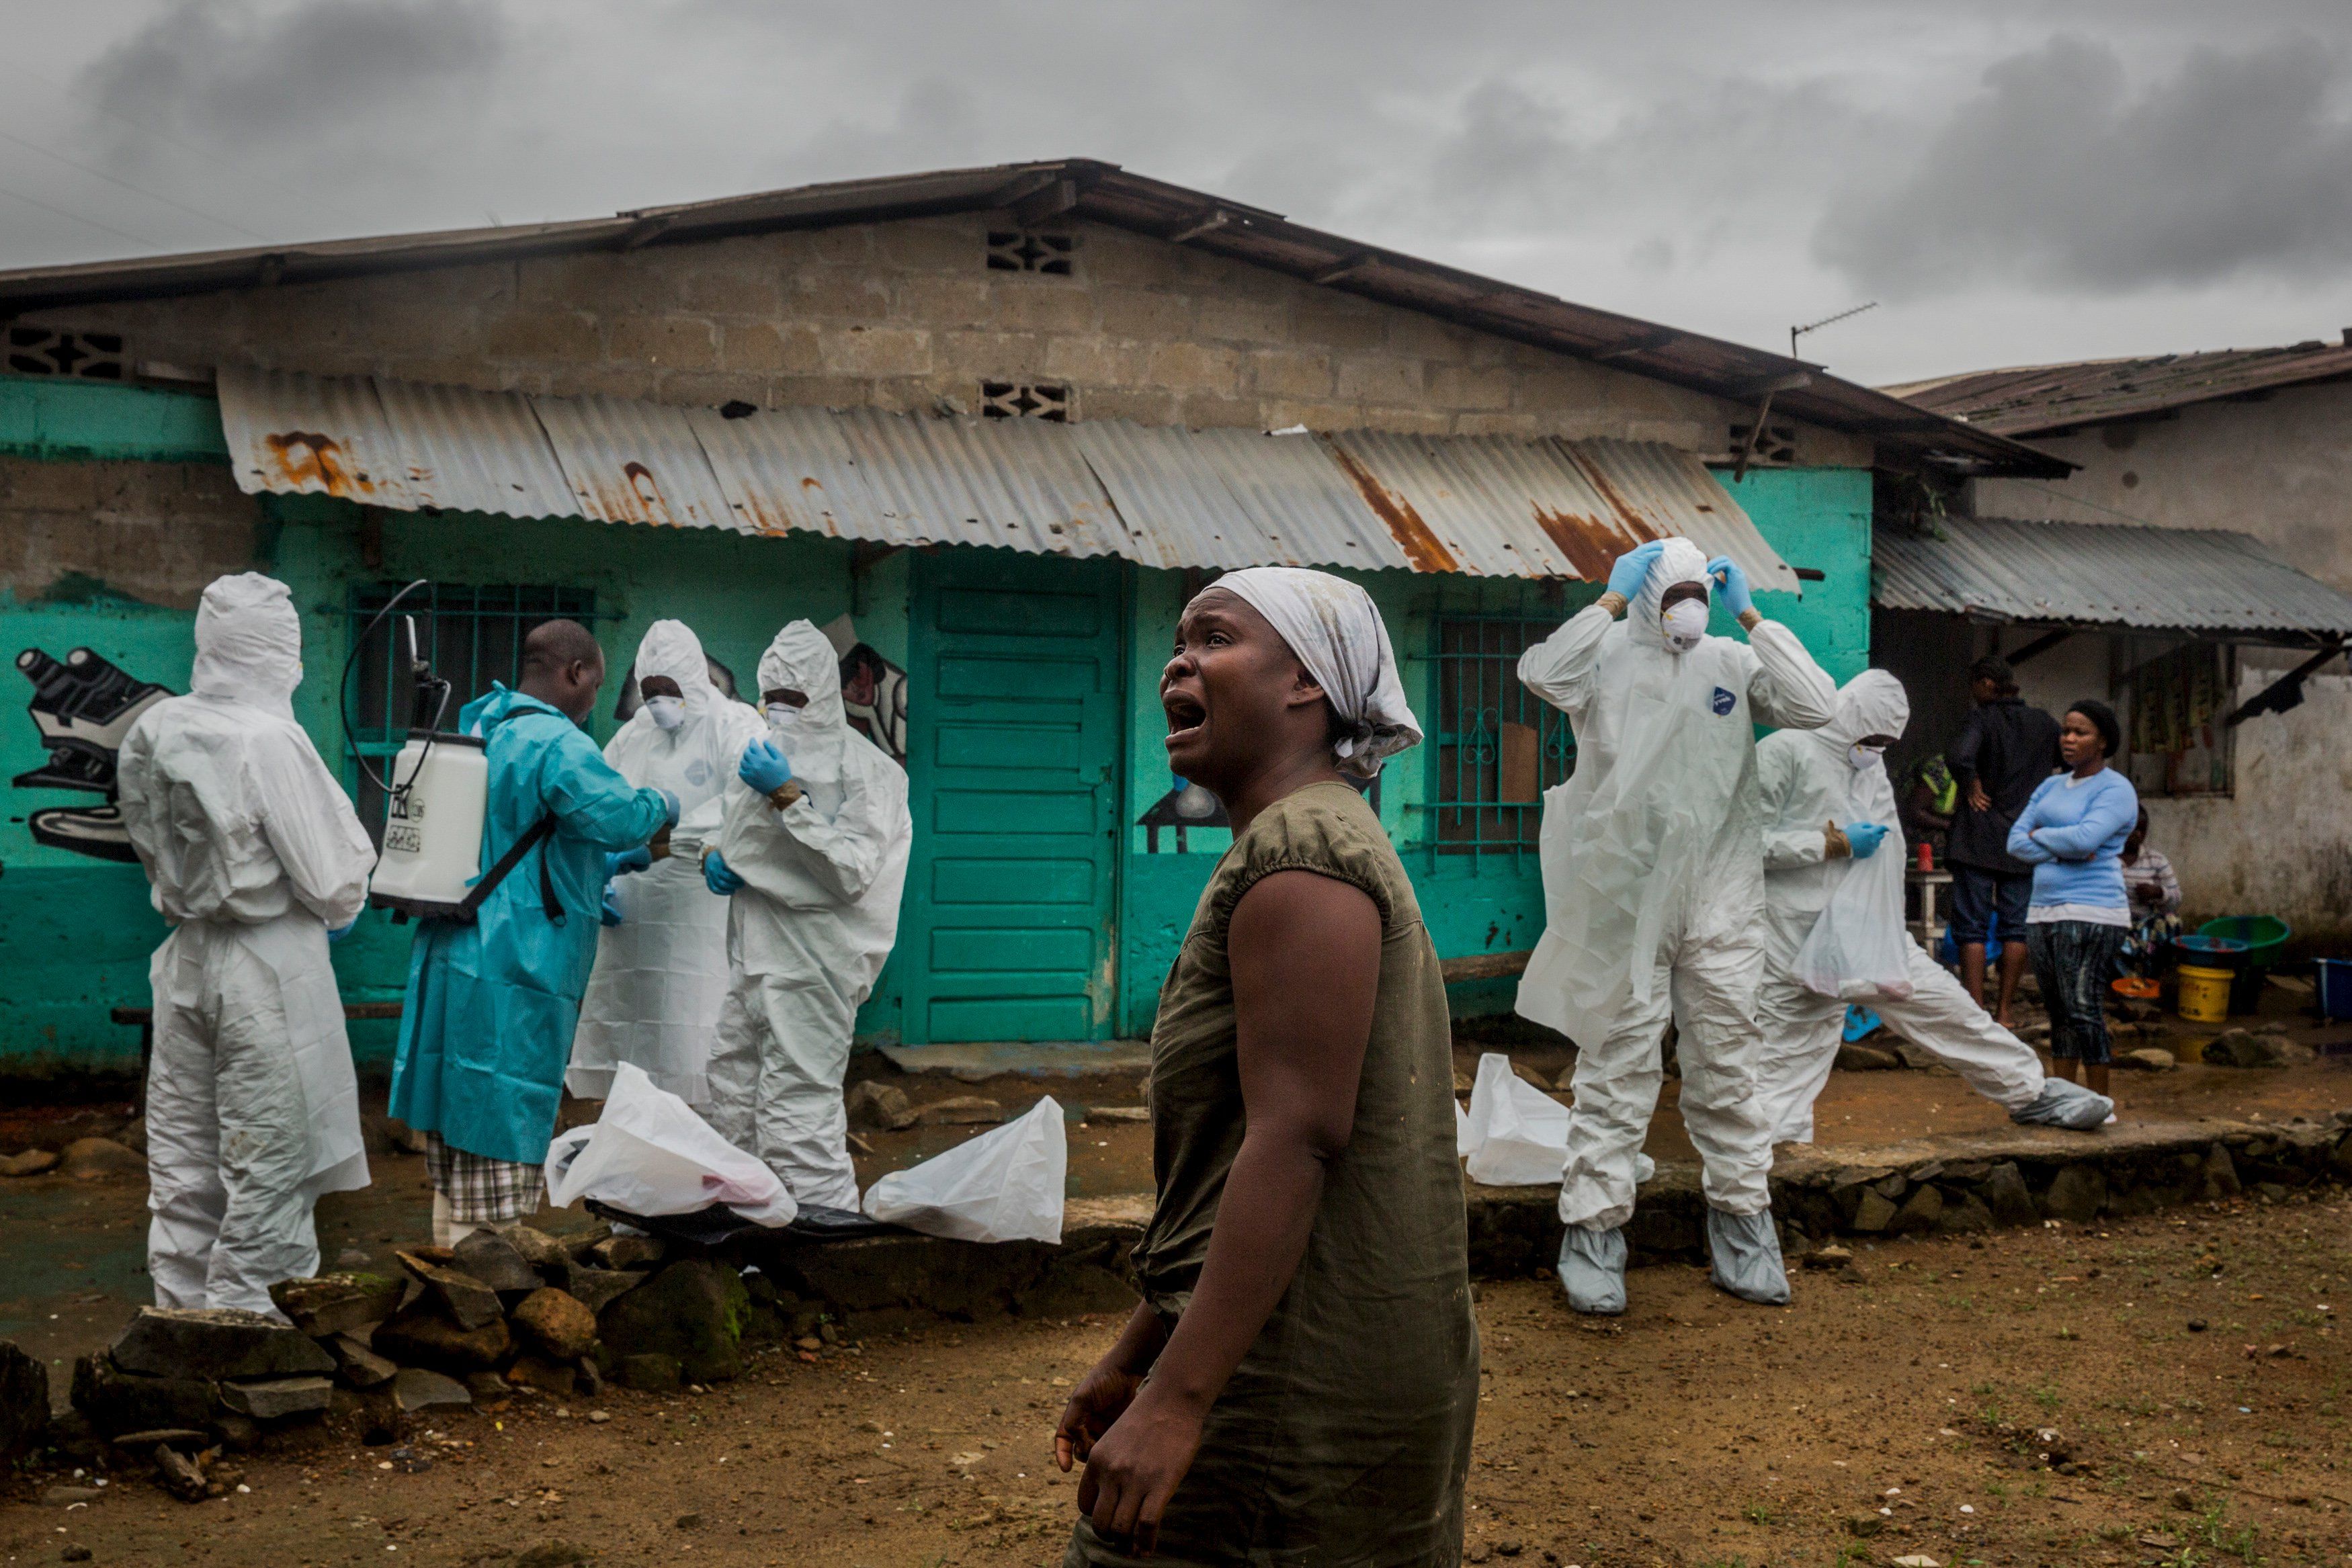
[436,793]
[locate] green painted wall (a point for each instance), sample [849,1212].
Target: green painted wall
[50,419]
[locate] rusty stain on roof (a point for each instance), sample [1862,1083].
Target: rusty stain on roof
[1590,545]
[1421,547]
[304,458]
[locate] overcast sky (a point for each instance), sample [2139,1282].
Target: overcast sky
[2011,182]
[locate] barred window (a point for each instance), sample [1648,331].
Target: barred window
[472,635]
[1498,746]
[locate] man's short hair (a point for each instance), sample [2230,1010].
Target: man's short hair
[1994,668]
[556,645]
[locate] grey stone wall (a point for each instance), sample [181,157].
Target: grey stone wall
[156,532]
[907,316]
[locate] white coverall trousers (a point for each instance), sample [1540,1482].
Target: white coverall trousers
[250,1076]
[1708,990]
[776,1082]
[1804,1029]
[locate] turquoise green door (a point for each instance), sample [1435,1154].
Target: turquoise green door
[1013,746]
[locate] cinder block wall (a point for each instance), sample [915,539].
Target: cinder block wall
[907,316]
[152,532]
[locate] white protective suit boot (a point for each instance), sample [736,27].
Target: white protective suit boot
[1654,882]
[1592,1268]
[1744,1256]
[661,975]
[810,929]
[2065,1104]
[254,854]
[1808,780]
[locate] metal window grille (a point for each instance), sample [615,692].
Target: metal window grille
[473,635]
[1498,745]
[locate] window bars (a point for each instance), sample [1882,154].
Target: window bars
[1498,745]
[472,635]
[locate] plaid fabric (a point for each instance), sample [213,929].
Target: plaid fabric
[481,1190]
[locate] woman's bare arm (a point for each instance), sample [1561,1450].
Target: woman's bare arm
[1306,956]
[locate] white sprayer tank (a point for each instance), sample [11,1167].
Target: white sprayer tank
[440,791]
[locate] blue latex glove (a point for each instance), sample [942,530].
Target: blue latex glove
[627,860]
[337,933]
[1730,585]
[612,911]
[1633,569]
[764,768]
[717,877]
[1866,838]
[670,800]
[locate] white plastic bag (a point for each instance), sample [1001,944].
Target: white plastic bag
[1858,948]
[1002,1185]
[1462,1142]
[649,1153]
[1516,1134]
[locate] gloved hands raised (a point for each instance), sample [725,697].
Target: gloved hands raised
[763,767]
[626,861]
[1730,585]
[717,877]
[611,914]
[1633,569]
[670,800]
[1866,838]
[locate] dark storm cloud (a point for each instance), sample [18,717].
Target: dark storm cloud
[241,78]
[2062,175]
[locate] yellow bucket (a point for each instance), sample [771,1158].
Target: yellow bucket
[2204,994]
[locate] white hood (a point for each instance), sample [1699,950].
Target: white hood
[248,643]
[1872,703]
[1681,561]
[670,648]
[802,659]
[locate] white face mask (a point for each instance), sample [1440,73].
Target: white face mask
[1684,623]
[669,713]
[1861,756]
[783,722]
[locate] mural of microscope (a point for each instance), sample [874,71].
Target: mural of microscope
[82,705]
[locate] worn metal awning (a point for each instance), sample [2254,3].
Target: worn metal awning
[1162,497]
[2098,574]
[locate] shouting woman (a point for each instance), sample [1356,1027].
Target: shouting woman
[1300,1381]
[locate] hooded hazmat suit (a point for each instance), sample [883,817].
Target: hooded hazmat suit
[1809,779]
[255,855]
[810,928]
[1654,884]
[661,973]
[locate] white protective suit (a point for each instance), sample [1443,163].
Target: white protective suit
[661,974]
[810,929]
[1653,890]
[1809,779]
[255,855]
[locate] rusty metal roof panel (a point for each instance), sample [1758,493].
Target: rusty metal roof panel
[1664,490]
[2102,574]
[2035,399]
[629,462]
[301,434]
[1174,499]
[785,468]
[1299,500]
[1015,484]
[473,451]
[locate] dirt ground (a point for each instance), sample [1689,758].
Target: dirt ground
[2168,1389]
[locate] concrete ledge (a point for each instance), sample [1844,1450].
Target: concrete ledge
[1944,1185]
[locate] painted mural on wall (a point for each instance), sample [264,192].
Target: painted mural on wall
[873,690]
[82,706]
[1188,806]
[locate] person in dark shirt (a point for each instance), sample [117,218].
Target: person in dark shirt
[2004,751]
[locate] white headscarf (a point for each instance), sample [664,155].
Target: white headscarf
[1680,561]
[248,643]
[1336,631]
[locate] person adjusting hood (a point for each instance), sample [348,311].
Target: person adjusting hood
[812,847]
[257,862]
[1652,885]
[661,961]
[1832,826]
[486,1023]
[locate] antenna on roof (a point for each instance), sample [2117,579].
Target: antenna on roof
[1797,332]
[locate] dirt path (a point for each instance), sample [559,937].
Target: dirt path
[1694,1431]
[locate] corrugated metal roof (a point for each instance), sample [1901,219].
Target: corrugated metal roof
[1102,193]
[1160,497]
[2097,574]
[2034,400]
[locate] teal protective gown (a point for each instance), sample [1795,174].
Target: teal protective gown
[486,1029]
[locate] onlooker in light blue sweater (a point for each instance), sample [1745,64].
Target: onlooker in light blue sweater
[2071,832]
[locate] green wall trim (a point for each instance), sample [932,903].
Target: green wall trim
[58,418]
